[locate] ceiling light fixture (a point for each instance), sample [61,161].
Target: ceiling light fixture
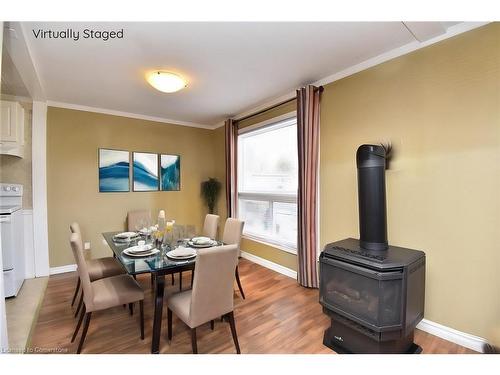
[166,81]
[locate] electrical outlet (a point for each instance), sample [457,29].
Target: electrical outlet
[86,246]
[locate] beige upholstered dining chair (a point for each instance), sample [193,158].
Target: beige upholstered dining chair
[232,235]
[97,268]
[134,219]
[210,226]
[211,295]
[103,293]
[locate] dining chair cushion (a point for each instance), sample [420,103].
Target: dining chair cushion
[212,293]
[115,291]
[104,267]
[210,226]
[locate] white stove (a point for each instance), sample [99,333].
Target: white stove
[12,235]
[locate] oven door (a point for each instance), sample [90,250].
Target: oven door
[371,298]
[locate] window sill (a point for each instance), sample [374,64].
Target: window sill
[270,244]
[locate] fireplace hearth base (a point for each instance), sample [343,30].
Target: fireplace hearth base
[345,337]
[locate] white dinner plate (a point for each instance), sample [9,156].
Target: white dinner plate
[171,254]
[137,255]
[138,249]
[125,235]
[201,246]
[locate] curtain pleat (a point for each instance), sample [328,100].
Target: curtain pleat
[308,110]
[231,164]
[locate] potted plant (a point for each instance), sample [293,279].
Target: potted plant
[210,190]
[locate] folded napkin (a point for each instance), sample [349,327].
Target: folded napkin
[201,240]
[182,251]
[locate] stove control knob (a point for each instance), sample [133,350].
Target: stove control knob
[16,188]
[7,188]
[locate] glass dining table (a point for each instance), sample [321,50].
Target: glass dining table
[158,265]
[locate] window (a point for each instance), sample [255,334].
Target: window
[267,182]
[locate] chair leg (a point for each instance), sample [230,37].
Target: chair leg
[233,331]
[193,341]
[169,325]
[141,312]
[84,333]
[173,278]
[76,292]
[131,308]
[212,324]
[77,328]
[80,303]
[192,278]
[180,281]
[239,283]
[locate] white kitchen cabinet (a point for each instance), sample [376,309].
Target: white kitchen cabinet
[11,128]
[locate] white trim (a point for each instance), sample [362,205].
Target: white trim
[397,52]
[450,334]
[29,250]
[39,175]
[63,269]
[4,339]
[139,116]
[285,120]
[271,265]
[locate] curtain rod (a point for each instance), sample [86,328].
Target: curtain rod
[266,109]
[320,88]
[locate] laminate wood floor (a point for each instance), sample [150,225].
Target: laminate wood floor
[278,316]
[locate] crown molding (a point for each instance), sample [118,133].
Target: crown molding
[392,54]
[139,116]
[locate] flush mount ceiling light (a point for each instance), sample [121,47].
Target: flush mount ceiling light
[166,81]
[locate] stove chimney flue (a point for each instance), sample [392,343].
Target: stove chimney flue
[370,160]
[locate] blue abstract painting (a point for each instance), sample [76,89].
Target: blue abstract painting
[113,170]
[170,172]
[145,171]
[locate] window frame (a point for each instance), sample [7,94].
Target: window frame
[287,119]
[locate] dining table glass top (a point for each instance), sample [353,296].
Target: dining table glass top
[158,262]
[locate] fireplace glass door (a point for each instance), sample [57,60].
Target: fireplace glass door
[372,298]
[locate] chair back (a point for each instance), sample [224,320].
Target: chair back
[212,293]
[83,273]
[75,228]
[232,232]
[210,226]
[134,218]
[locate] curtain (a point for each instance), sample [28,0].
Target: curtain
[308,110]
[231,164]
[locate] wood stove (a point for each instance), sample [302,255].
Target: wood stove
[373,293]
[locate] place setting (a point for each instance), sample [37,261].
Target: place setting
[141,250]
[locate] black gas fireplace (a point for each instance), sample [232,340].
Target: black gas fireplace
[372,292]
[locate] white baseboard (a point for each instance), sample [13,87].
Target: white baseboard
[62,269]
[461,338]
[271,265]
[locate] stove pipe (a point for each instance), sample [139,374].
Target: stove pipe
[370,160]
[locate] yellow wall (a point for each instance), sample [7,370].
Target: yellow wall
[73,139]
[440,108]
[18,170]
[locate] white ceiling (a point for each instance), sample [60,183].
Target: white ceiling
[230,67]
